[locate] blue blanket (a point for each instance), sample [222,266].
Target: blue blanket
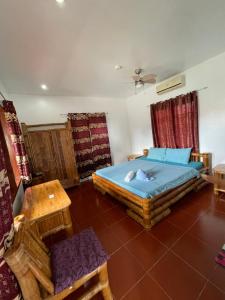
[167,176]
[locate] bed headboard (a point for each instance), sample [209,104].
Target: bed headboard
[205,158]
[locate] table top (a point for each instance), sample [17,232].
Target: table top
[219,169]
[44,199]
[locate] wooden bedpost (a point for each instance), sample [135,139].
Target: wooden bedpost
[205,158]
[145,152]
[146,214]
[207,161]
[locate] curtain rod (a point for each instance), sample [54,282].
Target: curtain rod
[199,90]
[65,115]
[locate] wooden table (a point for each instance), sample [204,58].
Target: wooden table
[219,172]
[46,206]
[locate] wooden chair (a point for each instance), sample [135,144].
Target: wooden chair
[56,273]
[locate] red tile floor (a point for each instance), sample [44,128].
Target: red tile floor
[174,260]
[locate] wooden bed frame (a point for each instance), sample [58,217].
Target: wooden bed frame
[149,211]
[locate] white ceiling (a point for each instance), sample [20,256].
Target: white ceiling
[74,49]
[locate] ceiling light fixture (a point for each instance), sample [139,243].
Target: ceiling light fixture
[139,84]
[44,87]
[118,67]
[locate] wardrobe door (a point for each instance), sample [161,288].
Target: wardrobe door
[65,157]
[42,155]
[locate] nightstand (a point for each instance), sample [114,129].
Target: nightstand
[133,156]
[219,172]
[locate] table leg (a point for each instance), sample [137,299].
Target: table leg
[68,222]
[216,192]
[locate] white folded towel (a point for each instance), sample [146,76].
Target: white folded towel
[130,175]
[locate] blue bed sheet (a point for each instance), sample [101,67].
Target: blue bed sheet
[166,176]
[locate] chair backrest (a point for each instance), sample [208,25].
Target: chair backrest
[18,201]
[29,260]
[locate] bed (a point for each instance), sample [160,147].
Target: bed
[150,202]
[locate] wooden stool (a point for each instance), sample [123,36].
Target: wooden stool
[219,184]
[74,261]
[219,173]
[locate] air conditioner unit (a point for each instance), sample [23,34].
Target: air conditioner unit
[170,84]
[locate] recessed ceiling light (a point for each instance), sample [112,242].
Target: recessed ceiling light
[60,1]
[44,87]
[118,67]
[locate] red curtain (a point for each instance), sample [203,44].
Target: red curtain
[17,140]
[8,285]
[175,122]
[91,142]
[82,143]
[100,140]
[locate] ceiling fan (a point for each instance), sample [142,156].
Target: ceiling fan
[140,80]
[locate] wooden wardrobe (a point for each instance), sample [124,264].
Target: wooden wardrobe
[51,152]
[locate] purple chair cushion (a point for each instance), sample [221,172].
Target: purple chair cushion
[75,257]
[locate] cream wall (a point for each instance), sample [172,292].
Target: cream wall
[211,73]
[129,120]
[46,109]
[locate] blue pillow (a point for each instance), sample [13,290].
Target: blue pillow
[181,156]
[157,153]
